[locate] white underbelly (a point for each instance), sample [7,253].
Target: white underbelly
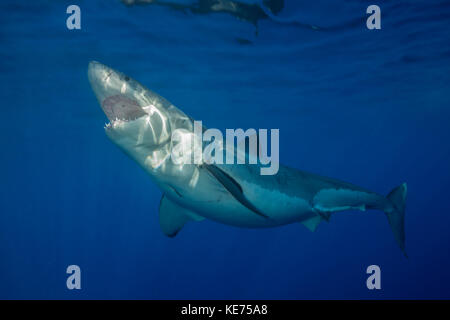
[212,201]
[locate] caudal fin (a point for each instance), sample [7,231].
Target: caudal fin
[396,216]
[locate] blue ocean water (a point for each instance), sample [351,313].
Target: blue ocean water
[371,107]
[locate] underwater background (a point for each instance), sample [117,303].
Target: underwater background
[371,107]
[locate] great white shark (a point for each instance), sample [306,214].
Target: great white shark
[142,123]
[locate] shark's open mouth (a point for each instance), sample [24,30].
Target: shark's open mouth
[119,107]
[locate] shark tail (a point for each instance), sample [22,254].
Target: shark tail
[396,214]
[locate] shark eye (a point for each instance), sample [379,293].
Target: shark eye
[127,78]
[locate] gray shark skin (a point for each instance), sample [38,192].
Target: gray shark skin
[142,123]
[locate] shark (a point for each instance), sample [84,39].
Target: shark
[142,123]
[251,12]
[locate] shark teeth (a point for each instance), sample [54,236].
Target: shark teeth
[117,121]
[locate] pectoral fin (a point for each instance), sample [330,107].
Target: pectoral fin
[233,187]
[172,217]
[312,223]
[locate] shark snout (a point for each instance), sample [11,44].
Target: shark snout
[114,92]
